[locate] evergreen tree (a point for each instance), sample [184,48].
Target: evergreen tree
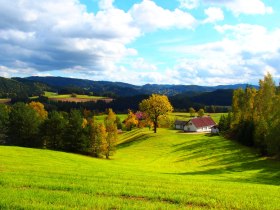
[24,126]
[53,130]
[4,122]
[74,137]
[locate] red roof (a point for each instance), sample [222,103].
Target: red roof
[202,122]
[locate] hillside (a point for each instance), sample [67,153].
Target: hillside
[18,87]
[168,170]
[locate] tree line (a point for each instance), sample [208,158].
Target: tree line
[30,125]
[255,117]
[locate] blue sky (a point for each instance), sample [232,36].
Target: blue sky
[202,42]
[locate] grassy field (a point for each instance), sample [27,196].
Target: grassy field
[55,95]
[168,170]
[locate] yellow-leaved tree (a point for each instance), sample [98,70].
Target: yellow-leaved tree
[39,108]
[131,120]
[156,106]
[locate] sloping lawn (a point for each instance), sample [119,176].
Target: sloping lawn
[168,170]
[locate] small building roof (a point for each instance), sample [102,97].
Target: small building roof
[202,122]
[180,122]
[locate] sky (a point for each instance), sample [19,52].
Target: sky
[200,42]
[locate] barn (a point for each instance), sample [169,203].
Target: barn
[199,124]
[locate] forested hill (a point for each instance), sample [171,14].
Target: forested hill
[125,89]
[20,88]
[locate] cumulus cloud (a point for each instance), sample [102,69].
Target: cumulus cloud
[149,16]
[214,14]
[244,55]
[42,36]
[106,4]
[248,7]
[188,4]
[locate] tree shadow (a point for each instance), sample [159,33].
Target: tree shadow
[138,138]
[223,156]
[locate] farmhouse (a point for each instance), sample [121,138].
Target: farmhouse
[179,124]
[199,124]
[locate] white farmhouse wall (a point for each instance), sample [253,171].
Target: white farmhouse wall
[190,128]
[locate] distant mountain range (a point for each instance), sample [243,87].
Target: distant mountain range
[180,95]
[125,89]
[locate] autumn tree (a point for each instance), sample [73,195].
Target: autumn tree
[200,112]
[112,133]
[39,108]
[156,106]
[131,120]
[192,111]
[97,139]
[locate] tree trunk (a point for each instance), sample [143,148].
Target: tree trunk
[155,125]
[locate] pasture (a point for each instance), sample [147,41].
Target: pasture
[167,170]
[78,98]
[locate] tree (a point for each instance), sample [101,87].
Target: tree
[112,133]
[4,122]
[74,138]
[156,106]
[24,125]
[53,130]
[200,112]
[97,138]
[131,120]
[101,140]
[39,108]
[192,111]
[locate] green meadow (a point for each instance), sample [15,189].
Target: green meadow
[167,170]
[55,95]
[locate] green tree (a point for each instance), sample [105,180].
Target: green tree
[200,112]
[192,112]
[4,122]
[74,138]
[156,106]
[24,126]
[112,133]
[53,130]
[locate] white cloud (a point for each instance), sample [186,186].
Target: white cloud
[149,16]
[142,65]
[214,14]
[106,4]
[189,4]
[248,7]
[244,55]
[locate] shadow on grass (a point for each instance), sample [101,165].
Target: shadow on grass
[138,138]
[223,156]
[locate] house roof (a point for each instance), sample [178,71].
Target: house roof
[180,122]
[202,122]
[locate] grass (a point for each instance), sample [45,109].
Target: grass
[168,170]
[59,96]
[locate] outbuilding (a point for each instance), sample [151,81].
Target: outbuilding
[179,124]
